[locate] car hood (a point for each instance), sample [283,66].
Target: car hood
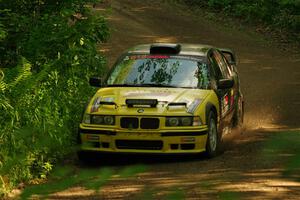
[116,97]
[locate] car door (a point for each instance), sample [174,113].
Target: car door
[234,74]
[221,71]
[237,98]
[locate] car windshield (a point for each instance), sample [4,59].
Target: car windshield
[160,71]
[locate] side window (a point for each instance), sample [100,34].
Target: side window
[229,57]
[217,74]
[222,64]
[229,66]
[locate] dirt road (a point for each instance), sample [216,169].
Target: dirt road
[271,85]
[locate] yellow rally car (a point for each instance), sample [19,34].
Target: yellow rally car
[164,99]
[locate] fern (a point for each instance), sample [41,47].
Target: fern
[42,82]
[16,75]
[4,104]
[4,101]
[3,85]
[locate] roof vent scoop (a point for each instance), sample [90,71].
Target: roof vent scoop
[163,48]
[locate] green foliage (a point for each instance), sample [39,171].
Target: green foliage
[64,177]
[280,14]
[48,49]
[229,195]
[132,170]
[176,194]
[280,147]
[43,30]
[2,33]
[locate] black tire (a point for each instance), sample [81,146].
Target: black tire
[86,157]
[213,137]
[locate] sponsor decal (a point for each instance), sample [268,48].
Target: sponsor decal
[146,94]
[96,104]
[225,104]
[188,139]
[92,137]
[231,97]
[136,57]
[193,106]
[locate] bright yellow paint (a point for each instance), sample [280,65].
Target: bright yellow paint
[119,95]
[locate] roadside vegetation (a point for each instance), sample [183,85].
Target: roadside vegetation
[47,52]
[278,18]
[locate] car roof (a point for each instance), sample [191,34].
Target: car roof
[186,49]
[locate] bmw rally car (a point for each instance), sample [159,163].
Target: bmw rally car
[164,99]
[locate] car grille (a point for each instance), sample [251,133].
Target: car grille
[139,144]
[149,123]
[130,122]
[144,123]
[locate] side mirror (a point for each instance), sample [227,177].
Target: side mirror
[232,63]
[229,55]
[225,83]
[95,81]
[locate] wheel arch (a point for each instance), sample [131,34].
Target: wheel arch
[208,108]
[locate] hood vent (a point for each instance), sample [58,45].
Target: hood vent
[177,104]
[161,48]
[141,102]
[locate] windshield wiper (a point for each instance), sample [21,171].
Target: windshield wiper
[141,85]
[121,85]
[156,85]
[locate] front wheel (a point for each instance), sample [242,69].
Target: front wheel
[86,157]
[213,139]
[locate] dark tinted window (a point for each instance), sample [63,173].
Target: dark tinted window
[222,64]
[232,67]
[217,74]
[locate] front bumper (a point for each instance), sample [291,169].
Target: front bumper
[188,140]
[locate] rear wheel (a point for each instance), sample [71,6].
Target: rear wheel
[238,117]
[213,139]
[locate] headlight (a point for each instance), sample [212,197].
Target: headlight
[98,119]
[172,121]
[103,120]
[109,120]
[183,121]
[186,121]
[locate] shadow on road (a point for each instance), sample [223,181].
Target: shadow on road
[253,165]
[111,160]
